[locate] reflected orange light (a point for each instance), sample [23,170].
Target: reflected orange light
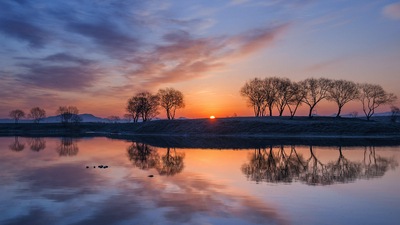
[212,117]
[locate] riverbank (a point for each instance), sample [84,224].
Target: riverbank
[237,126]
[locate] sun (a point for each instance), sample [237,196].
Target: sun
[212,117]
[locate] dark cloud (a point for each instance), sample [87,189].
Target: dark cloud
[36,36]
[64,57]
[65,78]
[107,37]
[35,216]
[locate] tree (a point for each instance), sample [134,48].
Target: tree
[316,90]
[270,90]
[133,108]
[143,104]
[253,90]
[17,114]
[283,94]
[170,100]
[296,96]
[395,113]
[37,114]
[67,113]
[372,96]
[342,92]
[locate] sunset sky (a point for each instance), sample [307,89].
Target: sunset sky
[97,54]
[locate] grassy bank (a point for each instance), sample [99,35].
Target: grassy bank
[238,126]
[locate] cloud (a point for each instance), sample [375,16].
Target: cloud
[184,56]
[36,36]
[107,37]
[392,11]
[58,77]
[64,57]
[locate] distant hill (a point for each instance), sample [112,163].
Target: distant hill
[56,119]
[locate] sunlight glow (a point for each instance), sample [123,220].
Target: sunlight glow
[212,117]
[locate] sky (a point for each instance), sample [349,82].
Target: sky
[95,55]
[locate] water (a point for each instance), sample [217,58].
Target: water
[46,181]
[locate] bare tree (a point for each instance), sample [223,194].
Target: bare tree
[133,108]
[372,96]
[253,90]
[283,94]
[395,113]
[270,90]
[170,100]
[342,92]
[316,90]
[297,94]
[67,113]
[37,114]
[143,104]
[17,114]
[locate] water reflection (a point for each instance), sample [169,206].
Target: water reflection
[16,145]
[68,147]
[146,157]
[279,165]
[37,144]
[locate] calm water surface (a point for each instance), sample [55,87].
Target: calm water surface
[46,181]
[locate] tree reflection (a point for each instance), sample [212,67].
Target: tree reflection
[146,157]
[171,163]
[282,166]
[37,144]
[68,147]
[16,145]
[143,156]
[375,165]
[269,166]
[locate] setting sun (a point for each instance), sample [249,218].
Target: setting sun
[212,117]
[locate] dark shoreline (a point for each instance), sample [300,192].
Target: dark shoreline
[227,132]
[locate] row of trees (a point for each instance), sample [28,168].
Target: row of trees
[145,105]
[67,114]
[265,94]
[35,113]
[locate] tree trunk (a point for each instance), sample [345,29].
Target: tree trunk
[338,113]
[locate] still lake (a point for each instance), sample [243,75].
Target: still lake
[58,181]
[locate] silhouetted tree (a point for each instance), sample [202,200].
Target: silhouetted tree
[342,92]
[17,114]
[296,96]
[37,114]
[395,113]
[16,145]
[171,163]
[37,144]
[283,94]
[144,105]
[270,92]
[170,100]
[253,91]
[68,147]
[316,90]
[67,113]
[143,156]
[372,96]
